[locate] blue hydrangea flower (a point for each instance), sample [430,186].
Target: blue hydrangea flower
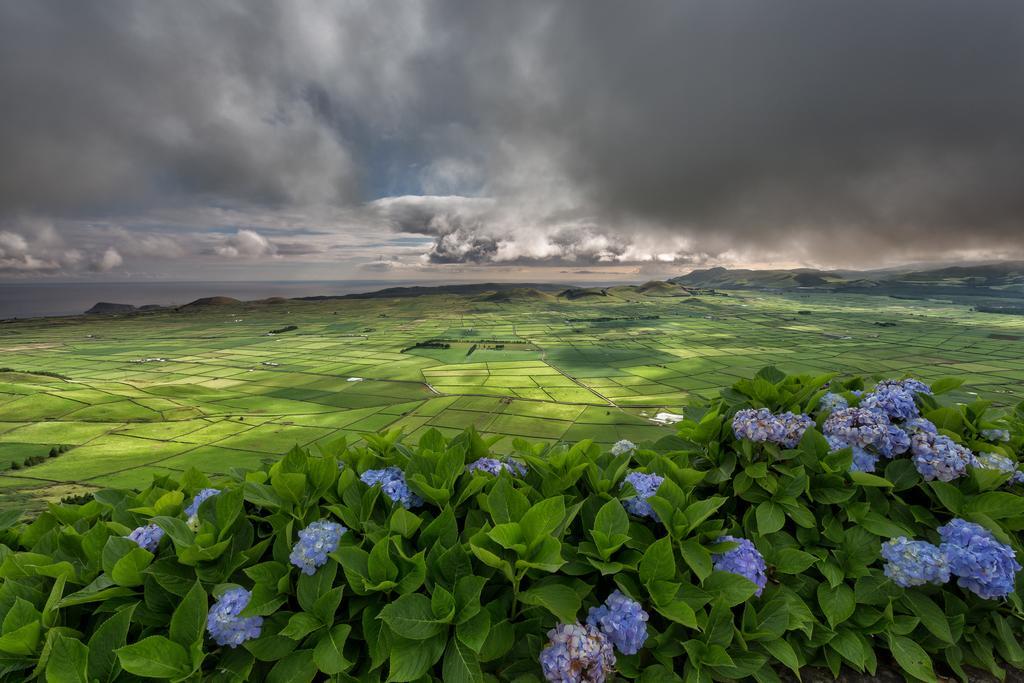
[744,560]
[758,425]
[623,620]
[894,442]
[147,537]
[495,466]
[999,463]
[793,428]
[863,460]
[392,482]
[995,434]
[315,542]
[577,654]
[914,563]
[193,508]
[981,564]
[224,624]
[857,427]
[919,424]
[914,386]
[646,485]
[623,446]
[894,402]
[938,457]
[832,402]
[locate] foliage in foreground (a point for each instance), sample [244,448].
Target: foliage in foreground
[746,556]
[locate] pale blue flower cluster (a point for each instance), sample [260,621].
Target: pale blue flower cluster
[646,485]
[863,460]
[577,654]
[919,424]
[832,402]
[914,563]
[193,508]
[981,564]
[914,386]
[744,560]
[894,402]
[995,434]
[315,542]
[392,482]
[148,537]
[623,620]
[939,457]
[224,624]
[623,446]
[495,466]
[761,425]
[999,463]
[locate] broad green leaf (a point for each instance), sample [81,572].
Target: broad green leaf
[770,517]
[108,637]
[329,654]
[410,616]
[912,658]
[155,657]
[658,563]
[460,664]
[68,661]
[837,604]
[557,598]
[189,618]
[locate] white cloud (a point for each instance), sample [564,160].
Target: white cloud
[246,244]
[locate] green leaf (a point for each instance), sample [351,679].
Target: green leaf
[948,495]
[442,604]
[297,667]
[291,487]
[793,561]
[474,631]
[658,563]
[329,653]
[697,557]
[541,520]
[770,517]
[300,625]
[108,637]
[611,528]
[557,598]
[728,588]
[155,657]
[68,662]
[467,597]
[912,658]
[931,615]
[189,618]
[996,505]
[783,652]
[837,604]
[410,660]
[868,479]
[460,664]
[411,617]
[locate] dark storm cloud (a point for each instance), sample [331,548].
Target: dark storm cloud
[587,132]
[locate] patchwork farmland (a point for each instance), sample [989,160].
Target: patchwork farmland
[95,401]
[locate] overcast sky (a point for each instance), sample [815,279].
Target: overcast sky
[208,139]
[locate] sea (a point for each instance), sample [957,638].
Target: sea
[35,299]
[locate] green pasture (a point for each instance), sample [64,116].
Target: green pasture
[209,388]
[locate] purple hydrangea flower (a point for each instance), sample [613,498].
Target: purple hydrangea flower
[193,508]
[392,482]
[758,425]
[646,485]
[224,624]
[981,564]
[495,466]
[938,457]
[315,542]
[744,560]
[148,537]
[623,446]
[577,654]
[623,620]
[793,428]
[832,402]
[895,402]
[863,461]
[914,563]
[995,434]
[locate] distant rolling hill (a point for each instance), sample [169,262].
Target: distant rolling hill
[998,280]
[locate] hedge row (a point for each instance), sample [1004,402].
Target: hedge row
[708,556]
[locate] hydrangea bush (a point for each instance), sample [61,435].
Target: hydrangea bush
[790,523]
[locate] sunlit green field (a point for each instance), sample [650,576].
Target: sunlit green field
[211,389]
